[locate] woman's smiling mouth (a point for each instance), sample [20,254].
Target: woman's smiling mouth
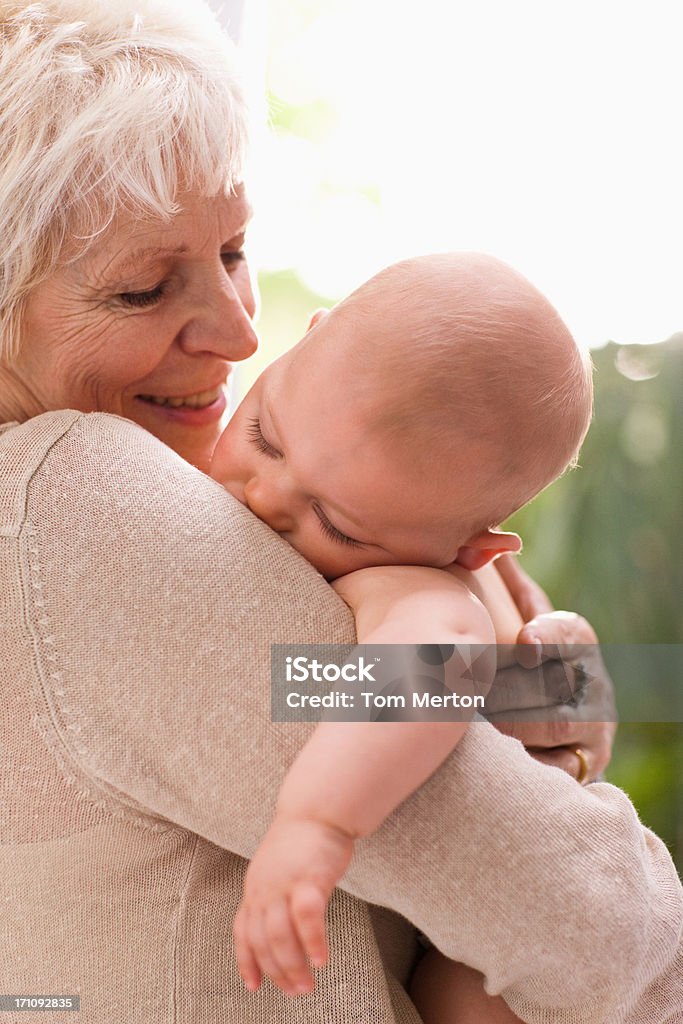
[198,409]
[197,401]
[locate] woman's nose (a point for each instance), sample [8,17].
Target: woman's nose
[270,502]
[221,323]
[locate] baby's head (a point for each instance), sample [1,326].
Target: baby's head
[413,419]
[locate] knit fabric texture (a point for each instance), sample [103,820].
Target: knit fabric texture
[138,603]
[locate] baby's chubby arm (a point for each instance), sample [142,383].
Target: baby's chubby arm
[349,777]
[386,761]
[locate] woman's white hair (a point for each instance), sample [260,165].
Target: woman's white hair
[105,106]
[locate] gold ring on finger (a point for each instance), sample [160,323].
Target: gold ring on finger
[583,766]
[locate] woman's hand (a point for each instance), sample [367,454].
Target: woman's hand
[566,704]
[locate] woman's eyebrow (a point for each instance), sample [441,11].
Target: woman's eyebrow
[133,260]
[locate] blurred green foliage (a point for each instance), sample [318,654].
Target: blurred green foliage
[605,539]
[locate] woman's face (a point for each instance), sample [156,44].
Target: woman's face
[146,325]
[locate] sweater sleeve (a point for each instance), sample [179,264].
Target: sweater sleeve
[153,598]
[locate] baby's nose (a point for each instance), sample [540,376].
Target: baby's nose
[269,503]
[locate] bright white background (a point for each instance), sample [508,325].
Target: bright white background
[545,133]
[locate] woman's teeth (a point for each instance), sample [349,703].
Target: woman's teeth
[199,401]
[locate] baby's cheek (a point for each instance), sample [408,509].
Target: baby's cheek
[345,561]
[225,462]
[320,552]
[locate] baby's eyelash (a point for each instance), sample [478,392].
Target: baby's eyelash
[258,440]
[331,531]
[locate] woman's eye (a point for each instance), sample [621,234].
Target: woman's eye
[332,532]
[258,440]
[140,299]
[232,258]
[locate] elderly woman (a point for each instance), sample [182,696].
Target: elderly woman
[139,602]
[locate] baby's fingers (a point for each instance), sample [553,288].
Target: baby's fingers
[246,961]
[308,904]
[260,946]
[287,950]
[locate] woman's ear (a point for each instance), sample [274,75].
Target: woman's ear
[317,317]
[486,546]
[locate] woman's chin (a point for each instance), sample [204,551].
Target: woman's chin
[192,433]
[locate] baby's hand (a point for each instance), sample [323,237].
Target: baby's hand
[281,919]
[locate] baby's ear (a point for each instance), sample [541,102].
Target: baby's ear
[486,546]
[317,317]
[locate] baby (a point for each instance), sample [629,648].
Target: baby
[408,423]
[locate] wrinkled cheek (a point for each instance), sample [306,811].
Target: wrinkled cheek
[83,374]
[91,389]
[54,378]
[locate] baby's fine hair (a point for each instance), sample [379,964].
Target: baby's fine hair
[469,353]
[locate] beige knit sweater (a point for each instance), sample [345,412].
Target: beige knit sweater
[138,603]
